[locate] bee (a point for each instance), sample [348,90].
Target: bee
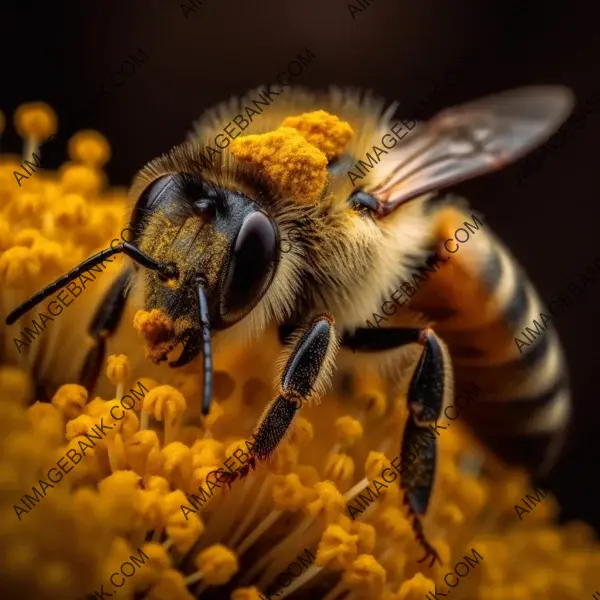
[207,252]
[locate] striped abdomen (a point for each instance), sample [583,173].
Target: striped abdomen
[501,338]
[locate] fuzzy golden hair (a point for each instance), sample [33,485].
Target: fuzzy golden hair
[345,263]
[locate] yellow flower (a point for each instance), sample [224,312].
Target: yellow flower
[90,482]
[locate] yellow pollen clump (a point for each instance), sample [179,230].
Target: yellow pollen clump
[294,165]
[157,484]
[18,267]
[47,421]
[157,562]
[348,430]
[339,468]
[416,588]
[50,254]
[289,493]
[118,368]
[365,575]
[207,452]
[170,504]
[329,501]
[73,211]
[177,456]
[367,536]
[184,532]
[201,476]
[217,563]
[70,400]
[164,403]
[171,584]
[80,425]
[81,179]
[27,237]
[303,431]
[214,415]
[374,465]
[393,523]
[157,330]
[338,549]
[324,131]
[89,147]
[6,236]
[35,119]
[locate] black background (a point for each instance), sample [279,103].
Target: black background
[400,50]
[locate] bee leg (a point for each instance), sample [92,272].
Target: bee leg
[428,386]
[103,325]
[426,392]
[304,377]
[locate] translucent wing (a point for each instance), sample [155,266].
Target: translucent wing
[468,140]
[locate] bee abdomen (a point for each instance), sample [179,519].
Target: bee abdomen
[503,339]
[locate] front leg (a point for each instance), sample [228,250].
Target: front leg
[305,376]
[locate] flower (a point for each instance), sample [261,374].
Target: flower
[89,483]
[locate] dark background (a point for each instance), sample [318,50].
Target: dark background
[401,50]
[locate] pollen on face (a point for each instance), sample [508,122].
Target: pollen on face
[295,166]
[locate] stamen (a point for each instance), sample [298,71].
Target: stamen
[264,525]
[249,518]
[307,576]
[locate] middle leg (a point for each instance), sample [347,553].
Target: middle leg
[305,376]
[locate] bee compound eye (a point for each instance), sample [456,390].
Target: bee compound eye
[362,201]
[251,266]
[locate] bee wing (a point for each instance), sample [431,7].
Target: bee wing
[471,139]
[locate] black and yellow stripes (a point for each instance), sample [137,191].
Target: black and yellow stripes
[526,405]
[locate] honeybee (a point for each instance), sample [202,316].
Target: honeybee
[207,252]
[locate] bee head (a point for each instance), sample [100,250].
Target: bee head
[218,253]
[209,234]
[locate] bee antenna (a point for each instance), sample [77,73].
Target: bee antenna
[126,248]
[203,315]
